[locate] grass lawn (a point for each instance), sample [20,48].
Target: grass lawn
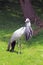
[32,50]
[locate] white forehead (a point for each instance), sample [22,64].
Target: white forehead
[27,20]
[28,23]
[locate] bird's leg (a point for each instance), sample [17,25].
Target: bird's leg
[13,46]
[19,46]
[8,49]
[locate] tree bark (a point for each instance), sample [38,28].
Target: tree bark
[29,12]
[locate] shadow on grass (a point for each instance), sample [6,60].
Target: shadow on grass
[13,51]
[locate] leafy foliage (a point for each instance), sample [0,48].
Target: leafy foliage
[38,3]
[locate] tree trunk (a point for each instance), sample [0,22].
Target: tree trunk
[29,12]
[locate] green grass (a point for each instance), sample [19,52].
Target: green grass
[32,50]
